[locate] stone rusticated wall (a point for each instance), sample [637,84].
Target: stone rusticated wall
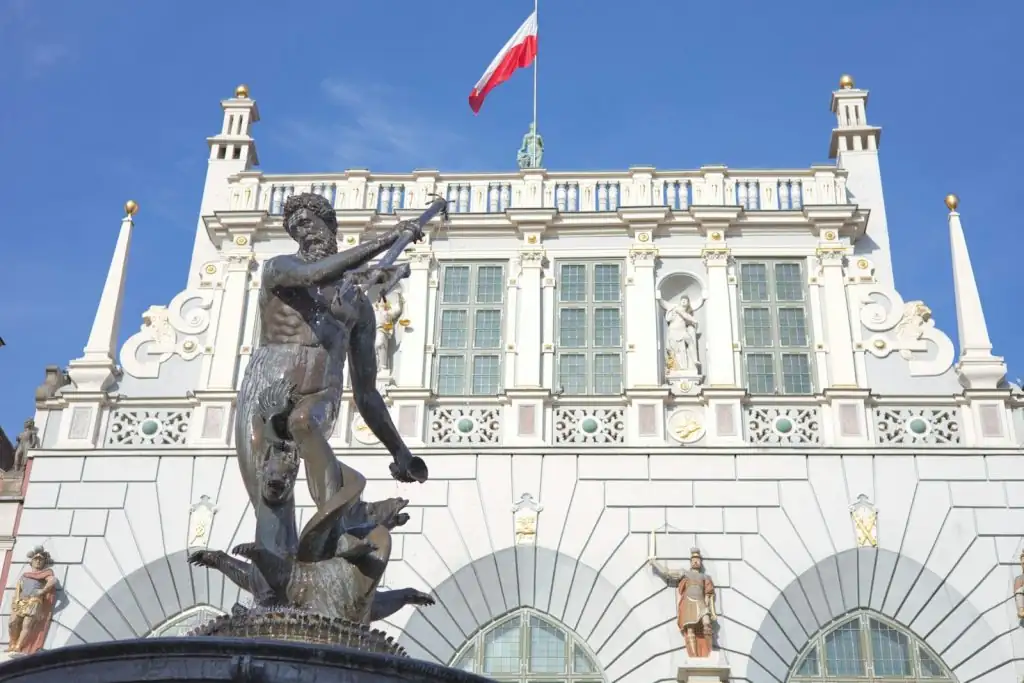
[775,529]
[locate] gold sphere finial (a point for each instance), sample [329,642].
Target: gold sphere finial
[846,81]
[952,201]
[242,92]
[131,208]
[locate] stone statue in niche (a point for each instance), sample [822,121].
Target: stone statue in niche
[32,607]
[680,337]
[387,311]
[27,440]
[1018,589]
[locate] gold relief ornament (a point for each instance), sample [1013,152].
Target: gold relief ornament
[200,523]
[865,522]
[524,514]
[686,426]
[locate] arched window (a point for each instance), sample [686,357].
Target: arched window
[867,647]
[184,621]
[528,647]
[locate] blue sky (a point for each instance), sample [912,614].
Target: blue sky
[108,100]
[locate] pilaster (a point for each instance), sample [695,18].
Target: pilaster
[838,339]
[641,324]
[227,341]
[81,420]
[418,290]
[529,314]
[645,415]
[987,418]
[525,417]
[714,222]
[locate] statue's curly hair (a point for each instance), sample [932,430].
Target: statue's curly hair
[318,204]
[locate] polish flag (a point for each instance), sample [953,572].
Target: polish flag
[518,53]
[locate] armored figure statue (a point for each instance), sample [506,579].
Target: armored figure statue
[695,604]
[531,153]
[32,606]
[27,440]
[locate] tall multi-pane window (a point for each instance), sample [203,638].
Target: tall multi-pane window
[589,327]
[469,325]
[775,327]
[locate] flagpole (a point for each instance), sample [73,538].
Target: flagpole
[535,60]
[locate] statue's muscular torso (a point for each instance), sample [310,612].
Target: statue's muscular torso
[311,326]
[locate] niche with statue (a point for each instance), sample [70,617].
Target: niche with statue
[680,297]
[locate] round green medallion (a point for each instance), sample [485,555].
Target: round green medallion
[589,425]
[465,425]
[149,427]
[918,425]
[784,425]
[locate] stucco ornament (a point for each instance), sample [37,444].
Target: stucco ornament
[525,513]
[865,522]
[200,523]
[167,331]
[906,328]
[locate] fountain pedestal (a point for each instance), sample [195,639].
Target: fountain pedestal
[234,660]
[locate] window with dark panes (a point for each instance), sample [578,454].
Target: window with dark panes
[468,339]
[774,327]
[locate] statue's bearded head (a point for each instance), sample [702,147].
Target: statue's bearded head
[310,220]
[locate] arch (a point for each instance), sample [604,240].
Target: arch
[893,586]
[627,623]
[137,604]
[527,646]
[184,621]
[867,646]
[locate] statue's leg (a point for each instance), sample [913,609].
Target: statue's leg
[14,632]
[261,372]
[369,402]
[308,423]
[691,640]
[706,633]
[27,632]
[332,484]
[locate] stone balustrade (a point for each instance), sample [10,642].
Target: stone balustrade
[355,190]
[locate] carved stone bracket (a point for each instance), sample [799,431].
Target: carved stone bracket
[158,340]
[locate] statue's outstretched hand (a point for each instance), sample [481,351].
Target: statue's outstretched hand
[408,468]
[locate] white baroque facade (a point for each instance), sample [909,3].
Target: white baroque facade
[856,490]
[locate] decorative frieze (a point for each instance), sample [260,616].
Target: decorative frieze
[590,425]
[459,426]
[935,426]
[130,428]
[771,425]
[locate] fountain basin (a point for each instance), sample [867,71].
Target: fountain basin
[237,660]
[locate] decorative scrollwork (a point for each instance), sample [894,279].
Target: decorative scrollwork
[158,340]
[906,327]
